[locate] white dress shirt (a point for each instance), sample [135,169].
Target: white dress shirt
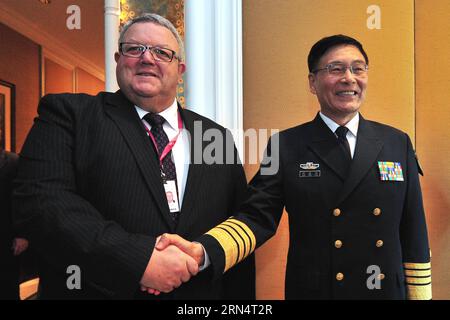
[181,152]
[352,127]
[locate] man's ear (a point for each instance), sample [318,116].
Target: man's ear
[181,68]
[312,83]
[116,56]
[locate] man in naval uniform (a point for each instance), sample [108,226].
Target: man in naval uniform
[352,192]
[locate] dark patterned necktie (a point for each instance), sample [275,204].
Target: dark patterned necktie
[168,167]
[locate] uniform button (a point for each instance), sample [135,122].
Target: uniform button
[336,212]
[379,243]
[381,276]
[376,211]
[338,244]
[339,276]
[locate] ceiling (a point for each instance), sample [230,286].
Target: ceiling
[50,19]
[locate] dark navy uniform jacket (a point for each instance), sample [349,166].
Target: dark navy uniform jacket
[352,236]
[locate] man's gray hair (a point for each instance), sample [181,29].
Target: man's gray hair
[156,19]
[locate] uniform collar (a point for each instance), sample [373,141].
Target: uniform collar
[352,125]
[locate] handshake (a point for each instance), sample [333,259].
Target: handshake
[174,261]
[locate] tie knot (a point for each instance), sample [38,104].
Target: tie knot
[341,132]
[154,119]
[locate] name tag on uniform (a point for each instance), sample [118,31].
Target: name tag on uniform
[390,171]
[309,170]
[172,195]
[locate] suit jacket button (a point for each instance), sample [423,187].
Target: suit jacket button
[339,276]
[379,243]
[376,211]
[338,244]
[336,212]
[381,276]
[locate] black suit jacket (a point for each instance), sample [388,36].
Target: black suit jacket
[9,267]
[89,193]
[345,231]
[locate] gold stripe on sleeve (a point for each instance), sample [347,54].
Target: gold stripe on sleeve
[421,281]
[418,280]
[417,273]
[236,239]
[248,232]
[228,245]
[418,292]
[417,266]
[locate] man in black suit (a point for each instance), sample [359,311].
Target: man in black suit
[94,173]
[351,190]
[11,244]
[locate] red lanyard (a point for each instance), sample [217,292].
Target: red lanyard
[171,143]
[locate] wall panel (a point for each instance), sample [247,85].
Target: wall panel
[87,83]
[433,131]
[19,64]
[57,78]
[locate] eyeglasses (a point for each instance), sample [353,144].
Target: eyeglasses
[136,50]
[339,69]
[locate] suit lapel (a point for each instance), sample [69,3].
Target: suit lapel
[196,170]
[324,145]
[368,146]
[123,113]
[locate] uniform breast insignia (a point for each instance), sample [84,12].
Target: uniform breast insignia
[309,170]
[390,171]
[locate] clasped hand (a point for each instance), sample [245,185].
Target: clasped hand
[174,261]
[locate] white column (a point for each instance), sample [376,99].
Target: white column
[200,57]
[112,23]
[213,39]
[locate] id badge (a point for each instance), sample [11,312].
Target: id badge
[172,195]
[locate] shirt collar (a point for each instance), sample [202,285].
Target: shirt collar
[352,125]
[170,114]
